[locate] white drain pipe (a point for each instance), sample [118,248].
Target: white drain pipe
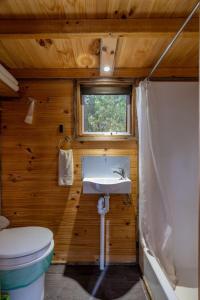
[103,208]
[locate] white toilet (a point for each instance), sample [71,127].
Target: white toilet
[25,255]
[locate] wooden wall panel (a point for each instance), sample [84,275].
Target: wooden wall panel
[30,193]
[6,91]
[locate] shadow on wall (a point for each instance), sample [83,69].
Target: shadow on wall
[81,223]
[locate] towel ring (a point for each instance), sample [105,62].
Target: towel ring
[67,139]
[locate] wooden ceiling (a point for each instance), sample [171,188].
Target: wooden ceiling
[83,9]
[66,35]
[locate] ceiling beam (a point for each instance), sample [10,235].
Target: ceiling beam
[35,29]
[107,55]
[94,73]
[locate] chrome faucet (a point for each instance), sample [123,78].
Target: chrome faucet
[120,172]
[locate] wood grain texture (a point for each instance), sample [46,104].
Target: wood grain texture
[30,193]
[45,53]
[188,57]
[84,53]
[49,34]
[62,29]
[6,91]
[143,53]
[53,73]
[95,8]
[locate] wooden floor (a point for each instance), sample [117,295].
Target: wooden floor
[122,282]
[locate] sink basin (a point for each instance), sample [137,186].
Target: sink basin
[94,185]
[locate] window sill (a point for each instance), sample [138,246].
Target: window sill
[106,138]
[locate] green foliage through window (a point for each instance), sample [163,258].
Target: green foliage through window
[105,113]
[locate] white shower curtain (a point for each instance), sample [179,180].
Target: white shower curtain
[168,127]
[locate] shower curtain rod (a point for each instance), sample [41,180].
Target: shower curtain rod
[173,40]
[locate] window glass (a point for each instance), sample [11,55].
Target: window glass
[106,114]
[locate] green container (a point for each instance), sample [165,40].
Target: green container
[19,278]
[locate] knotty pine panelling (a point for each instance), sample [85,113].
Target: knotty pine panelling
[30,193]
[132,52]
[95,9]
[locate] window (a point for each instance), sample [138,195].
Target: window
[104,110]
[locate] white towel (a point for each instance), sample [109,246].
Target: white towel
[65,167]
[29,116]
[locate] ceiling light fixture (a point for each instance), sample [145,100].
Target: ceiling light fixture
[106,69]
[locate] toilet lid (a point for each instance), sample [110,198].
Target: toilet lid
[16,242]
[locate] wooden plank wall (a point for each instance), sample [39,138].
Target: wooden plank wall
[30,193]
[6,91]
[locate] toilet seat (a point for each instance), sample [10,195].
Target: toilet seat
[23,246]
